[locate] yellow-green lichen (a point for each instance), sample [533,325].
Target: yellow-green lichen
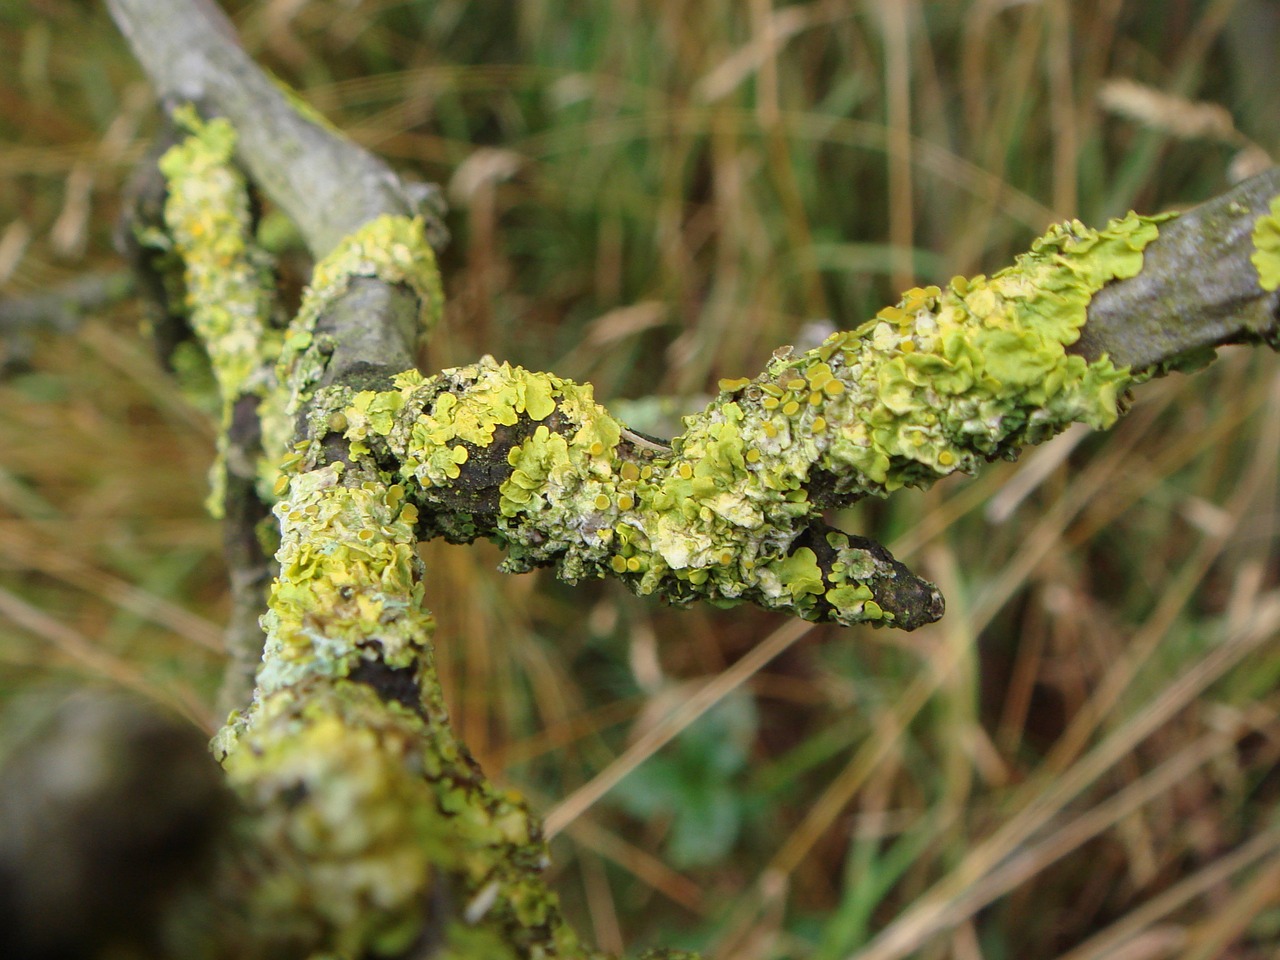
[704,523]
[335,783]
[227,279]
[370,809]
[1266,247]
[472,405]
[364,797]
[392,248]
[940,382]
[348,588]
[948,378]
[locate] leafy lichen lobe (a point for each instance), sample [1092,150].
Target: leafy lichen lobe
[950,377]
[1266,247]
[349,586]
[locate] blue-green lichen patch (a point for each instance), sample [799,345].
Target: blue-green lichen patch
[227,279]
[1266,247]
[349,587]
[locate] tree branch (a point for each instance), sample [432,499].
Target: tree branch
[1198,288]
[368,826]
[326,184]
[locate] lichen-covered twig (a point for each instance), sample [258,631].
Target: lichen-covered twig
[941,382]
[199,249]
[366,826]
[729,510]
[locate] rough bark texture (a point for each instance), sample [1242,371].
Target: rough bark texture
[1197,288]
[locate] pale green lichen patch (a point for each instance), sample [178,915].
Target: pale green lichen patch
[393,249]
[1266,247]
[371,810]
[349,586]
[940,382]
[704,522]
[337,790]
[370,797]
[227,279]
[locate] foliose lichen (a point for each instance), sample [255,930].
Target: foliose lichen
[948,378]
[395,250]
[227,279]
[371,809]
[1266,247]
[392,248]
[940,382]
[335,784]
[572,490]
[349,587]
[368,796]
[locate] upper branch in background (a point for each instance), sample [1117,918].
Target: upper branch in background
[326,184]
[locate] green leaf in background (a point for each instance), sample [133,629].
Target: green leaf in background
[695,784]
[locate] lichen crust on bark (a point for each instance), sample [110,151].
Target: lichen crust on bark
[226,277]
[349,586]
[949,378]
[533,461]
[939,383]
[1266,247]
[352,776]
[334,779]
[382,831]
[392,249]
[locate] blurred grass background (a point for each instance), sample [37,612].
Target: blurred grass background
[1079,761]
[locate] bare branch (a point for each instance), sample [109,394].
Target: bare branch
[1197,289]
[326,184]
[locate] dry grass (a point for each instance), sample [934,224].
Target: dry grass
[1079,762]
